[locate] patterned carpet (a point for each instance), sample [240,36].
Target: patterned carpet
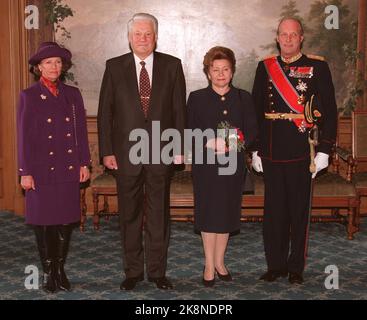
[94,265]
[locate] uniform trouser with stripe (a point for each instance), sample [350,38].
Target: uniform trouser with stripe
[287,195]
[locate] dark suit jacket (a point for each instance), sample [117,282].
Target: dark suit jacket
[120,111]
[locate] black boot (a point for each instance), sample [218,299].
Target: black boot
[45,236]
[63,240]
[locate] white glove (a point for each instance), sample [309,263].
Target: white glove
[256,162]
[321,162]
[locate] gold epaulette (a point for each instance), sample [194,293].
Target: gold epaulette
[269,56]
[313,56]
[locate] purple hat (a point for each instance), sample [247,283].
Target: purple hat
[48,50]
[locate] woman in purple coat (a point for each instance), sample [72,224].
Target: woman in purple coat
[53,158]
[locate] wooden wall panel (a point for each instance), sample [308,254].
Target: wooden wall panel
[4,87]
[37,36]
[1,183]
[12,80]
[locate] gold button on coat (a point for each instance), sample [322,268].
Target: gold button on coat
[49,120]
[71,167]
[70,151]
[67,119]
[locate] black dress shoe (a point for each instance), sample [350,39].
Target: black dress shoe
[208,283]
[224,277]
[295,278]
[162,283]
[272,275]
[130,283]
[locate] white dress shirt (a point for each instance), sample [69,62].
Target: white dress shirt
[148,65]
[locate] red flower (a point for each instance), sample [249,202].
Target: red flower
[240,135]
[235,140]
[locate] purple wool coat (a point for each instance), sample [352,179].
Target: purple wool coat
[52,146]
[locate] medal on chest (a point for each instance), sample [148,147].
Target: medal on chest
[301,72]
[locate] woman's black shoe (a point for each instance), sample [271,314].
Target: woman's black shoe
[224,277]
[208,283]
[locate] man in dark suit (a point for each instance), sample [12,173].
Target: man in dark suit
[283,86]
[138,88]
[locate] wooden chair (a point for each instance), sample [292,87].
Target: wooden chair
[359,151]
[104,186]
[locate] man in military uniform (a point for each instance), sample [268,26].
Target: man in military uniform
[283,86]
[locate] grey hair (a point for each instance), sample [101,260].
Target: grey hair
[143,16]
[294,19]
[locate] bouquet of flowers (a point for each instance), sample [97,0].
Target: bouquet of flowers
[233,136]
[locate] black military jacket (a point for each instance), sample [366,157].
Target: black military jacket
[281,140]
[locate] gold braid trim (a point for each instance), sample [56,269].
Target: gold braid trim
[313,56]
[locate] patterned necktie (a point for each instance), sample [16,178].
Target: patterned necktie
[144,85]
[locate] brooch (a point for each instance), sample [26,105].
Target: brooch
[302,86]
[43,97]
